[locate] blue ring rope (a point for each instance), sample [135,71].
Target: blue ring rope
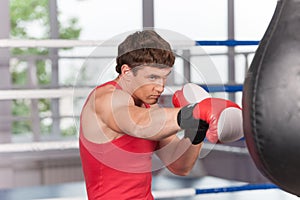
[223,88]
[230,43]
[236,188]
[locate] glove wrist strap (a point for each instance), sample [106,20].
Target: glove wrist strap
[195,129]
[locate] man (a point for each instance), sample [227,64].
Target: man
[121,124]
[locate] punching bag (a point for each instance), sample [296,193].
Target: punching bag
[271,100]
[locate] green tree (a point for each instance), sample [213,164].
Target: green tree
[30,20]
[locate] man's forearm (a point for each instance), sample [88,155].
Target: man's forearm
[186,160]
[179,155]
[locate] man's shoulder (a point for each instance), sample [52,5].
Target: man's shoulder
[104,90]
[108,96]
[108,91]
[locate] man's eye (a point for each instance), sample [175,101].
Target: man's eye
[152,77]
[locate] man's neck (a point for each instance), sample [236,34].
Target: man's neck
[125,88]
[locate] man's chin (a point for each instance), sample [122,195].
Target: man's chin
[151,101]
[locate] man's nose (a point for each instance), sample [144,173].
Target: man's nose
[159,87]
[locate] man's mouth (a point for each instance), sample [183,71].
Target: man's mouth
[154,96]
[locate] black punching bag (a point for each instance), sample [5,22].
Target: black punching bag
[271,100]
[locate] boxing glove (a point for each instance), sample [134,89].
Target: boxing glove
[223,116]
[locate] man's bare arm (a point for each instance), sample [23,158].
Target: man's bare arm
[118,111]
[179,155]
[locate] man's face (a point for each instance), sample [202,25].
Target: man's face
[149,83]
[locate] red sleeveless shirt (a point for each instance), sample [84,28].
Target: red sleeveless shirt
[120,169]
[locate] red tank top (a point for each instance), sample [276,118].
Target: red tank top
[120,169]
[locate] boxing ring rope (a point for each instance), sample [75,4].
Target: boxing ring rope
[229,43]
[69,92]
[188,192]
[42,93]
[223,88]
[61,43]
[40,147]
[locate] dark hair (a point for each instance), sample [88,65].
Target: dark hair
[144,47]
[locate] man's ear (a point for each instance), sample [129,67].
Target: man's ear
[125,69]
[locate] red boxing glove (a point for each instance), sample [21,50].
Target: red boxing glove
[223,116]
